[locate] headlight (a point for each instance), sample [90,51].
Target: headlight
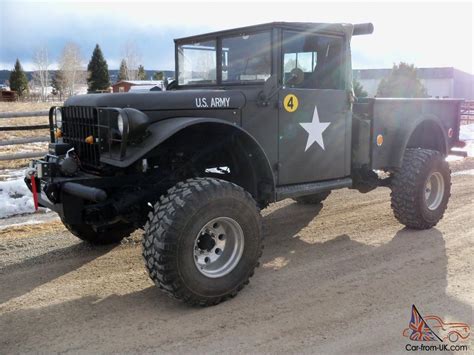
[120,123]
[136,123]
[59,117]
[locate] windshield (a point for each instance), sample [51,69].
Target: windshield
[197,63]
[243,58]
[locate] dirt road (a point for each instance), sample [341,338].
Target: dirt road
[340,279]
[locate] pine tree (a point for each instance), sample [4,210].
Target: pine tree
[98,71]
[158,75]
[141,73]
[123,72]
[18,80]
[358,89]
[58,82]
[402,82]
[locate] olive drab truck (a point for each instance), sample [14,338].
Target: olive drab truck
[256,115]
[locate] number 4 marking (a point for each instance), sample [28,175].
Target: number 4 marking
[290,103]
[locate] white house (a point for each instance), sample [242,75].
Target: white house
[439,82]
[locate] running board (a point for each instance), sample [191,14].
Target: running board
[288,191]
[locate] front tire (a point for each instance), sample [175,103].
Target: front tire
[203,240]
[421,189]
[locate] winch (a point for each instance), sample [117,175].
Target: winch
[69,165]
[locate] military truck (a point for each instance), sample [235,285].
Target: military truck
[256,115]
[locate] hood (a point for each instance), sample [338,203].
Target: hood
[163,100]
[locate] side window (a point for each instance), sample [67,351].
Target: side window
[246,58]
[312,61]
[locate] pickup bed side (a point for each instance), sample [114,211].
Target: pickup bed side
[402,123]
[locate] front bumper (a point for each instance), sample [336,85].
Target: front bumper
[55,192]
[90,199]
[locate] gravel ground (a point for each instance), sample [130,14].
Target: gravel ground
[338,278]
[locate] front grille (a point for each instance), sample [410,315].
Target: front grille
[78,124]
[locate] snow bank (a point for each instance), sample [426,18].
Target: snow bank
[463,172]
[15,198]
[467,134]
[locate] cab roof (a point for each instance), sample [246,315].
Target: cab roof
[329,28]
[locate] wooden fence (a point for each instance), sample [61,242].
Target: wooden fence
[467,112]
[21,141]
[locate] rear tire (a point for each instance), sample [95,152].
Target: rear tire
[312,199]
[421,189]
[203,240]
[110,235]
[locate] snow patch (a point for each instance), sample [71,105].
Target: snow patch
[453,158]
[15,198]
[463,172]
[466,134]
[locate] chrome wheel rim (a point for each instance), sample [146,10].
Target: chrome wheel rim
[434,190]
[218,247]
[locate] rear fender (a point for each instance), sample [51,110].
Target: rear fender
[429,127]
[424,131]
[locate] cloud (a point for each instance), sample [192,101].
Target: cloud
[156,50]
[51,26]
[426,34]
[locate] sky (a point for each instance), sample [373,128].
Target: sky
[427,34]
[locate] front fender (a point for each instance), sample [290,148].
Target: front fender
[162,130]
[260,172]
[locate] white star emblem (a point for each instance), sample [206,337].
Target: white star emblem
[315,130]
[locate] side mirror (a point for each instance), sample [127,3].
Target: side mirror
[296,77]
[270,89]
[172,85]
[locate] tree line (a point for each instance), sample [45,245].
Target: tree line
[402,82]
[72,72]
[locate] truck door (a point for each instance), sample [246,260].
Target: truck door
[314,116]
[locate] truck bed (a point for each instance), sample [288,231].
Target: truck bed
[402,123]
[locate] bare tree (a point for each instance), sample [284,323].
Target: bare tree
[71,65]
[132,56]
[41,73]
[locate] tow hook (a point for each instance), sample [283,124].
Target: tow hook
[31,174]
